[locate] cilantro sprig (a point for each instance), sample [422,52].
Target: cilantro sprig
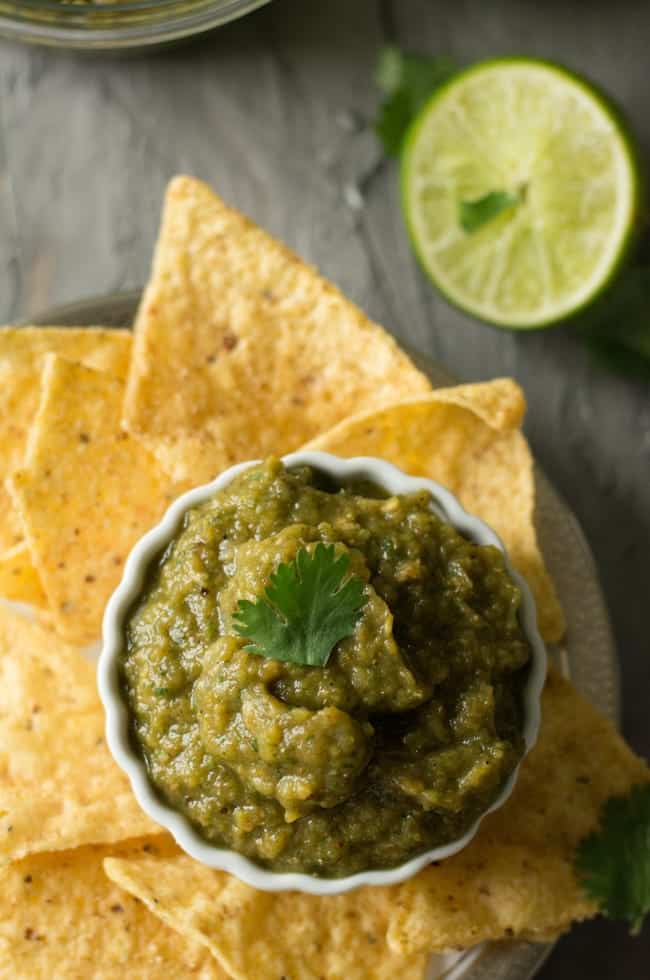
[309,605]
[617,329]
[613,863]
[407,81]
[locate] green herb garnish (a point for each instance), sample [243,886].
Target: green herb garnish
[613,864]
[407,81]
[307,607]
[472,215]
[617,329]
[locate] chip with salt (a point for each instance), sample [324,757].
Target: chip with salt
[266,936]
[59,786]
[466,438]
[19,579]
[241,349]
[85,494]
[516,878]
[22,350]
[61,918]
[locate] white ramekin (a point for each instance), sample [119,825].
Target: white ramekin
[117,713]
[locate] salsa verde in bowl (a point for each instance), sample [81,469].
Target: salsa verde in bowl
[320,673]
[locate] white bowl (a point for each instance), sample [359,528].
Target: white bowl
[117,713]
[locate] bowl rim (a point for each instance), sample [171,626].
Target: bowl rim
[119,25]
[153,543]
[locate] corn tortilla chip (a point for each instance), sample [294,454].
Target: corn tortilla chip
[19,579]
[264,936]
[59,786]
[500,403]
[241,349]
[85,495]
[22,350]
[467,439]
[516,878]
[62,919]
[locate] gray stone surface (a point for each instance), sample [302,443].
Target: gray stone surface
[272,111]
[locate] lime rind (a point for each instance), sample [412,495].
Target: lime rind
[545,262]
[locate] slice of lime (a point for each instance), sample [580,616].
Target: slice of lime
[520,188]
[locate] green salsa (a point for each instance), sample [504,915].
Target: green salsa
[394,747]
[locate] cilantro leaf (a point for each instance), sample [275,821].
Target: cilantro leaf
[617,329]
[613,864]
[472,215]
[306,608]
[407,81]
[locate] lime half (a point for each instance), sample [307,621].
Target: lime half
[520,189]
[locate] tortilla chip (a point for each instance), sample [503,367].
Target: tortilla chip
[22,350]
[62,919]
[267,936]
[516,877]
[87,492]
[241,349]
[59,786]
[467,439]
[19,579]
[500,403]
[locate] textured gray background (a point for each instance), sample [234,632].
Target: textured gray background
[272,111]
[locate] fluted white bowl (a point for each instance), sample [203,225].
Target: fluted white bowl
[117,712]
